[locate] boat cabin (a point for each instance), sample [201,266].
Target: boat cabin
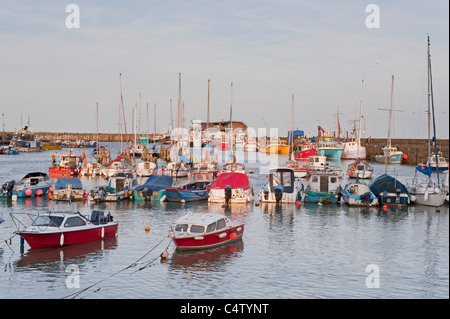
[282,176]
[323,183]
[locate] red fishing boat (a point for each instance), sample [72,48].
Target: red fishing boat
[198,231]
[68,166]
[306,150]
[63,225]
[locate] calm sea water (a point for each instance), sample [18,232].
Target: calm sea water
[304,252]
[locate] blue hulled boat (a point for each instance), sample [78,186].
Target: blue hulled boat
[32,184]
[196,190]
[153,188]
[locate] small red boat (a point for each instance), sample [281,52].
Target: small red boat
[199,231]
[68,166]
[63,225]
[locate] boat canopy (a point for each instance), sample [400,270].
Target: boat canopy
[35,174]
[235,180]
[62,183]
[156,183]
[284,177]
[387,183]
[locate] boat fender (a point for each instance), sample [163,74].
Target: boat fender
[61,240]
[103,232]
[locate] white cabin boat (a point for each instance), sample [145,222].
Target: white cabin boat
[282,187]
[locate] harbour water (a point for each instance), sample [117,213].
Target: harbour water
[287,252]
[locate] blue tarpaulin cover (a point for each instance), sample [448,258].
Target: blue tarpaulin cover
[156,183]
[61,183]
[387,183]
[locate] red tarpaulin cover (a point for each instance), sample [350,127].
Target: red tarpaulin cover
[236,180]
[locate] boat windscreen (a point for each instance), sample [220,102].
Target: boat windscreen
[51,221]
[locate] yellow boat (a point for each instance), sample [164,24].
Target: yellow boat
[51,146]
[277,147]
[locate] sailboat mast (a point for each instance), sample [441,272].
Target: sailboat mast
[207,114]
[432,108]
[360,117]
[389,128]
[291,135]
[231,121]
[154,124]
[179,99]
[123,113]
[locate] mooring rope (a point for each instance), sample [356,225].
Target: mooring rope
[75,294]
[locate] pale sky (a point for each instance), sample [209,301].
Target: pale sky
[319,51]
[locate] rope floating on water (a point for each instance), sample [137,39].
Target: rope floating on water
[75,294]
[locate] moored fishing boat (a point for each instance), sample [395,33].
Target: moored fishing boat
[200,231]
[360,169]
[120,187]
[68,165]
[358,194]
[146,168]
[63,225]
[197,189]
[92,169]
[32,184]
[153,189]
[322,188]
[390,191]
[282,187]
[69,188]
[230,188]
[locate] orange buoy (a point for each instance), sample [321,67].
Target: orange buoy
[147,228]
[405,156]
[233,236]
[28,192]
[85,196]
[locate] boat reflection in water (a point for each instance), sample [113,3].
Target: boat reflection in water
[44,258]
[205,259]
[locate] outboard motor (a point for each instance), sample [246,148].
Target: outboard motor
[227,193]
[266,194]
[365,198]
[279,193]
[9,186]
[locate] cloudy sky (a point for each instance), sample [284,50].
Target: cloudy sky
[318,51]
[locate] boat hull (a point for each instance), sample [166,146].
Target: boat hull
[202,241]
[323,198]
[58,239]
[63,172]
[393,158]
[333,154]
[277,149]
[175,195]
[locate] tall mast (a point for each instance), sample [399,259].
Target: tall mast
[123,113]
[207,114]
[171,117]
[231,121]
[389,128]
[291,135]
[97,127]
[179,99]
[360,117]
[148,126]
[432,108]
[154,124]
